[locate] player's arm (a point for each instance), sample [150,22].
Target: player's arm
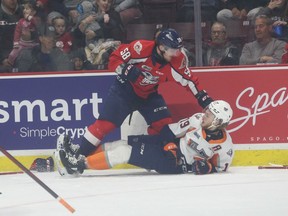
[222,160]
[179,129]
[219,162]
[185,77]
[202,166]
[119,61]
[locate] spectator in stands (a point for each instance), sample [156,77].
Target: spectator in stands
[239,10]
[220,51]
[101,26]
[109,20]
[45,57]
[102,20]
[59,6]
[51,16]
[87,22]
[64,38]
[10,14]
[25,35]
[209,9]
[128,10]
[265,49]
[277,10]
[79,60]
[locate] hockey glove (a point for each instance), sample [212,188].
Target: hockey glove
[130,72]
[203,98]
[43,165]
[171,151]
[201,166]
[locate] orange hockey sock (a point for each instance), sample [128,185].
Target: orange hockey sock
[98,161]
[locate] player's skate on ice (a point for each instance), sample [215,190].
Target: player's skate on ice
[66,156]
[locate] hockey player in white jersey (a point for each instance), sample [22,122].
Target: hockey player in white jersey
[199,144]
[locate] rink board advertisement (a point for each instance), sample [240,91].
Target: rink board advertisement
[35,109]
[258,96]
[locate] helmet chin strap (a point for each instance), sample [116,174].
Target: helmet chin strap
[213,125]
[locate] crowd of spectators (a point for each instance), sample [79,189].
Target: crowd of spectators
[55,35]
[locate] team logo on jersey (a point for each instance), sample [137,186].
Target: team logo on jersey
[147,68]
[230,152]
[195,146]
[138,47]
[59,44]
[198,116]
[149,79]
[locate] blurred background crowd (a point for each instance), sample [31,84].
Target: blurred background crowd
[67,35]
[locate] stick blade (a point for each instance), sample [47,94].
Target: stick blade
[66,205]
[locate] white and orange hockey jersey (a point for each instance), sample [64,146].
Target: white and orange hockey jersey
[193,143]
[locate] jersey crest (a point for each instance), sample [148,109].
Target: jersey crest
[138,47]
[149,79]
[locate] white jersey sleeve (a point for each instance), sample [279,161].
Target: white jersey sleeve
[180,128]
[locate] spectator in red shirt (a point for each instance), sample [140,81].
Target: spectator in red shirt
[25,35]
[64,39]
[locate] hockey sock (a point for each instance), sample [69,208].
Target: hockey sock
[98,161]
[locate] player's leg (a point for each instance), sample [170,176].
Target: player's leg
[156,113]
[115,110]
[148,152]
[117,152]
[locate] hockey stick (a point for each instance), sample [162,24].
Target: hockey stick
[274,167]
[35,178]
[10,173]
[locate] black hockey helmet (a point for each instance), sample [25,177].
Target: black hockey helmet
[170,38]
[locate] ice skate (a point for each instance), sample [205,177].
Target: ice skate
[68,164]
[64,142]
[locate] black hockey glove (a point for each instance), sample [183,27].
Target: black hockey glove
[130,72]
[43,165]
[171,150]
[201,166]
[203,98]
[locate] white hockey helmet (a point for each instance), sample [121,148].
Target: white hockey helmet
[222,112]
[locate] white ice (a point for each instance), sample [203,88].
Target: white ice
[243,191]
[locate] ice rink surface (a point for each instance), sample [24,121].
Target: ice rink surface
[243,191]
